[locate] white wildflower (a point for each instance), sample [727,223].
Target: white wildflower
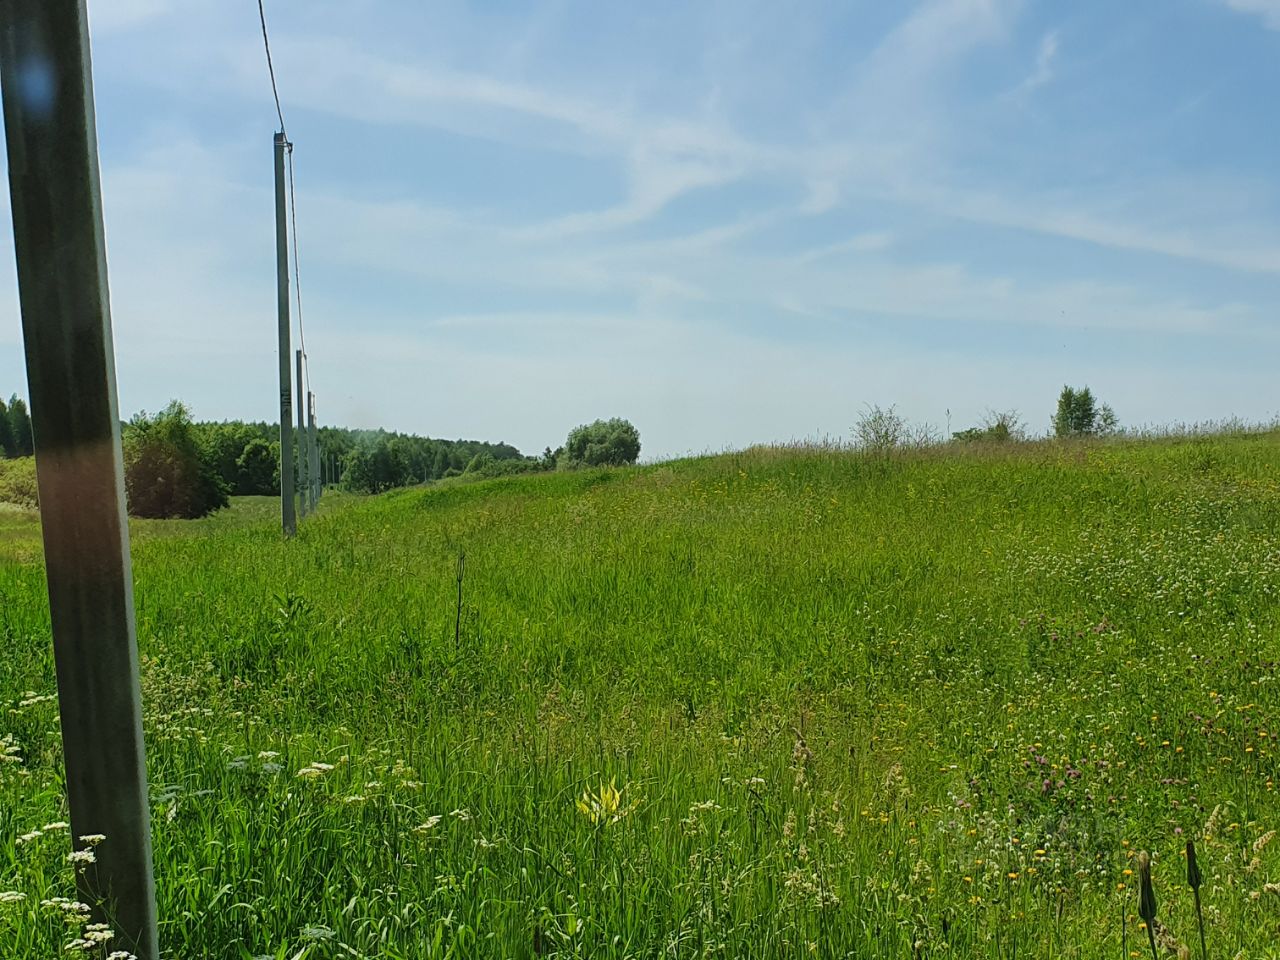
[81,856]
[9,749]
[11,896]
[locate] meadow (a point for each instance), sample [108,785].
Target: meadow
[796,702]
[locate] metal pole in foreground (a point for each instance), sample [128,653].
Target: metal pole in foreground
[62,282]
[304,492]
[288,516]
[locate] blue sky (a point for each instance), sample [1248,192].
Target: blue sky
[731,222]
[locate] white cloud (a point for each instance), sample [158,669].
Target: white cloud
[1268,10]
[112,15]
[1045,58]
[731,329]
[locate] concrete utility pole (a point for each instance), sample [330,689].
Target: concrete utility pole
[314,464]
[288,516]
[304,489]
[66,321]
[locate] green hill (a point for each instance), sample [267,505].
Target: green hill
[852,706]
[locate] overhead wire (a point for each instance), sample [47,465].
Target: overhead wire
[266,43]
[293,210]
[297,280]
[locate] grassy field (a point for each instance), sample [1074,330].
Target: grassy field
[851,708]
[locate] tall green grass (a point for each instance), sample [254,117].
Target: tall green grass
[852,707]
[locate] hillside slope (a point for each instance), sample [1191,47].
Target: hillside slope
[850,705]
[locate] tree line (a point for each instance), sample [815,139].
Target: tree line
[15,429]
[176,466]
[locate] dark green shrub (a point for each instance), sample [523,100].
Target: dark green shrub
[604,443]
[165,474]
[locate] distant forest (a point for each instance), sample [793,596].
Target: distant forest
[245,456]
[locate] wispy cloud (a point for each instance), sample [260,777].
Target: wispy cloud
[1268,10]
[785,212]
[1044,68]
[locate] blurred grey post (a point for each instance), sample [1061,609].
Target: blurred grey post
[66,322]
[288,516]
[304,489]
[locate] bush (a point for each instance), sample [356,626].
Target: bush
[165,474]
[18,482]
[997,427]
[880,431]
[604,443]
[258,469]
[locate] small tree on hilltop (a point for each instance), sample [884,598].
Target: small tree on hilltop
[604,443]
[1079,415]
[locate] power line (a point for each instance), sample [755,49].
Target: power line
[297,281]
[266,43]
[293,210]
[305,366]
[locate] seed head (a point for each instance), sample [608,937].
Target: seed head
[1147,894]
[1193,870]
